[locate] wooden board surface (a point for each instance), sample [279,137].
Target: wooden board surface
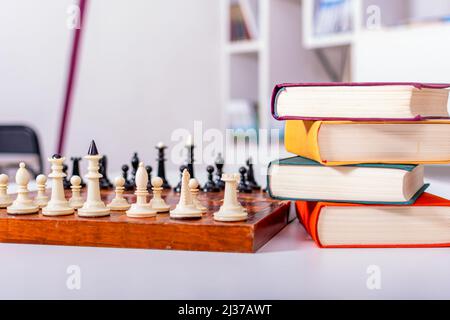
[266,218]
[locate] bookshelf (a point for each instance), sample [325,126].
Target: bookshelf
[312,40]
[251,67]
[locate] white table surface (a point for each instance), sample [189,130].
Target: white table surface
[290,266]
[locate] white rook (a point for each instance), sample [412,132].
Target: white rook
[231,209]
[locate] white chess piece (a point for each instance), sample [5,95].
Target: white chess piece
[231,209]
[185,207]
[41,198]
[76,201]
[194,188]
[58,204]
[23,204]
[141,209]
[157,202]
[93,206]
[5,198]
[119,203]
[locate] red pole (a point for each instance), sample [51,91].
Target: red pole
[71,77]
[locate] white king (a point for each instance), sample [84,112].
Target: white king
[94,206]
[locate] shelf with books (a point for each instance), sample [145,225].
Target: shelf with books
[243,20]
[329,23]
[252,67]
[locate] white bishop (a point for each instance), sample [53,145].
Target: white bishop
[23,204]
[141,209]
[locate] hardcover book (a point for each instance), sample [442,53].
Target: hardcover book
[299,178]
[346,142]
[426,223]
[359,101]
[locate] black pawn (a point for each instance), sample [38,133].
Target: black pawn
[178,186]
[76,169]
[243,186]
[128,185]
[161,165]
[104,181]
[134,167]
[251,176]
[149,174]
[219,166]
[210,186]
[66,181]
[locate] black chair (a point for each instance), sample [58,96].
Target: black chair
[19,143]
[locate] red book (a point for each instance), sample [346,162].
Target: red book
[426,223]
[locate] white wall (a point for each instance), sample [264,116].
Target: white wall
[147,68]
[429,9]
[34,48]
[421,57]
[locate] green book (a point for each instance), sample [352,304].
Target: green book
[298,178]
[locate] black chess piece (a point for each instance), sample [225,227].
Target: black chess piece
[128,185]
[103,170]
[161,165]
[66,181]
[210,186]
[243,185]
[190,159]
[251,176]
[177,188]
[134,167]
[219,166]
[93,149]
[149,170]
[76,169]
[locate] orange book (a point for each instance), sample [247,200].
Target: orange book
[335,143]
[426,223]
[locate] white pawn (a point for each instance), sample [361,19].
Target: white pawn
[58,204]
[185,208]
[157,202]
[194,188]
[119,203]
[41,198]
[231,209]
[141,209]
[5,198]
[23,204]
[76,201]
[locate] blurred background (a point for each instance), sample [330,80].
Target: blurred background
[129,73]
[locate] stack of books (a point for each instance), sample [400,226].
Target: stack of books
[358,177]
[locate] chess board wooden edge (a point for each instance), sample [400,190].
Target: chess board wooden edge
[266,219]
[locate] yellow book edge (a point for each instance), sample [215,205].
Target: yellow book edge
[302,138]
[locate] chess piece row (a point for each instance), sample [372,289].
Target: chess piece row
[214,183]
[130,183]
[188,207]
[58,205]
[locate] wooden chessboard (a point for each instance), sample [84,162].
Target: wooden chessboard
[266,218]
